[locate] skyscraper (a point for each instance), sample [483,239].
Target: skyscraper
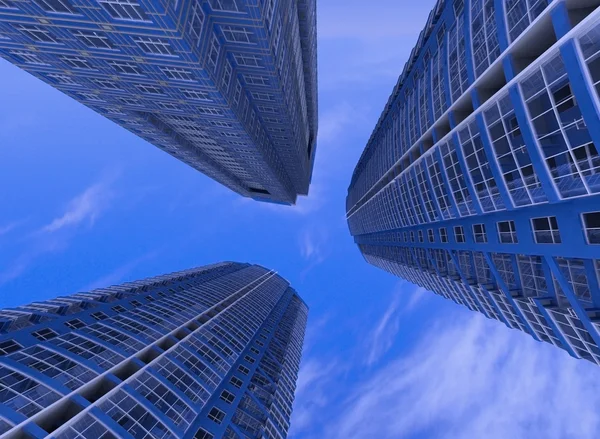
[481,180]
[227,86]
[211,352]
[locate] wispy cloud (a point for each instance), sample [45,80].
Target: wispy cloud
[7,228]
[84,208]
[120,273]
[313,242]
[311,396]
[56,235]
[475,378]
[405,298]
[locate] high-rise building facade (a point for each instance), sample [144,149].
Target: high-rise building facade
[481,180]
[227,86]
[211,352]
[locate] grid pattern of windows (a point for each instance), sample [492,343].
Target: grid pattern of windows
[457,62]
[69,373]
[484,34]
[527,145]
[22,394]
[507,232]
[479,234]
[456,180]
[520,14]
[479,168]
[511,152]
[570,155]
[545,230]
[134,418]
[124,9]
[164,399]
[58,6]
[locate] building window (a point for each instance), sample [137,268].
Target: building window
[227,396]
[420,232]
[5,4]
[99,315]
[216,415]
[591,223]
[249,359]
[154,46]
[443,234]
[74,324]
[479,234]
[238,34]
[37,33]
[203,434]
[256,80]
[60,6]
[459,234]
[168,106]
[507,233]
[236,382]
[225,5]
[412,236]
[8,346]
[94,39]
[258,342]
[248,60]
[243,369]
[124,10]
[254,350]
[44,334]
[178,74]
[118,308]
[63,79]
[76,62]
[430,235]
[136,303]
[149,89]
[545,230]
[196,95]
[405,235]
[27,58]
[126,68]
[106,84]
[213,53]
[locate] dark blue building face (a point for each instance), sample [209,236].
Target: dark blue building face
[481,180]
[227,86]
[211,352]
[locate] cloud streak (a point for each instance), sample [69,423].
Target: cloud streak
[118,274]
[475,378]
[84,208]
[56,235]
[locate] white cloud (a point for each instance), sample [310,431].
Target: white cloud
[313,242]
[405,298]
[7,228]
[311,396]
[118,274]
[85,207]
[475,378]
[383,335]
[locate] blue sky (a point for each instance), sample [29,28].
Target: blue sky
[86,204]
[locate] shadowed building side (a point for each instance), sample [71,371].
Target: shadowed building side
[227,86]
